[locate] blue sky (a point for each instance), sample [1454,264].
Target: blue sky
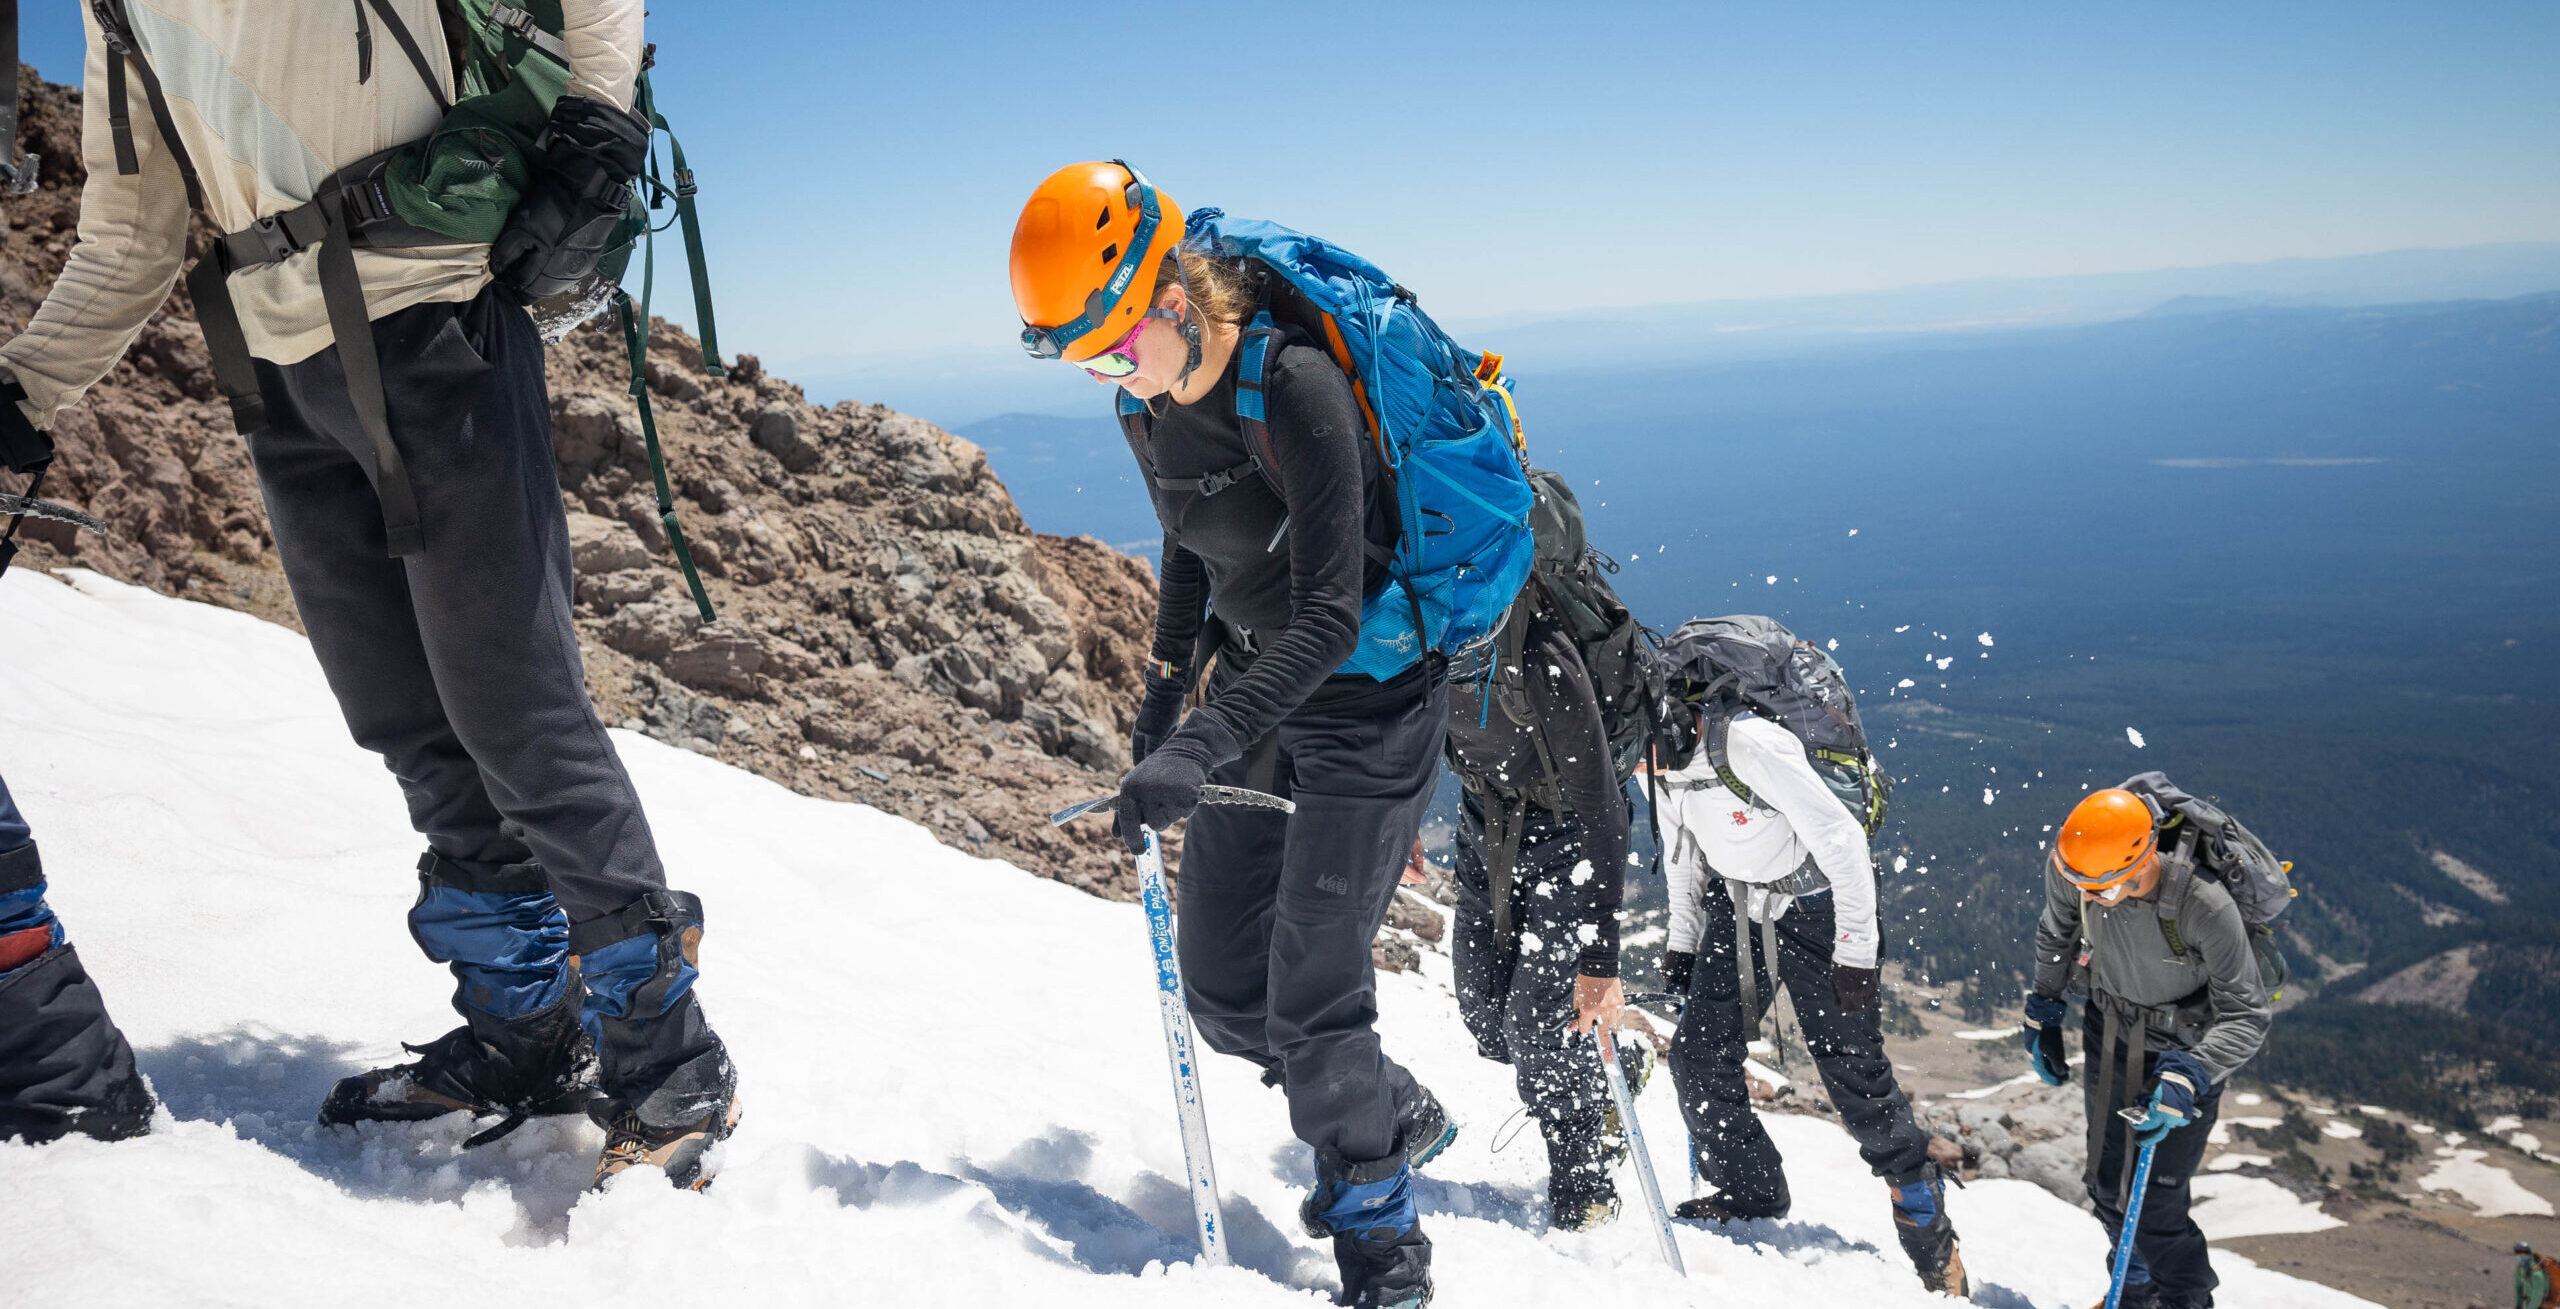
[862,164]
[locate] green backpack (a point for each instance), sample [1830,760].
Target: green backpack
[510,67]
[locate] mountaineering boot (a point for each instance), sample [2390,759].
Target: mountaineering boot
[1920,1219]
[1423,1126]
[1726,1207]
[669,1091]
[1378,1245]
[525,1067]
[1580,1153]
[518,1051]
[63,1065]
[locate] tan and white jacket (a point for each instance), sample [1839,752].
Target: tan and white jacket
[267,101]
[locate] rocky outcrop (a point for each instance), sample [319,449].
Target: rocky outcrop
[887,631]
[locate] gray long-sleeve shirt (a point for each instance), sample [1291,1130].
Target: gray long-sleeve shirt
[2214,988]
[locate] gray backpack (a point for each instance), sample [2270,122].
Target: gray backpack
[2198,835]
[1746,663]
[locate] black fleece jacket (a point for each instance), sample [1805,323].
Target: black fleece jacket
[1285,570]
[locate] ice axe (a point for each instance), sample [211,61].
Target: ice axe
[1232,795]
[2132,1210]
[1636,1150]
[1176,1017]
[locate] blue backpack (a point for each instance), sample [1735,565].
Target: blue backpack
[1441,423]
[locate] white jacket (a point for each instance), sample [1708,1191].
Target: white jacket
[266,98]
[1710,833]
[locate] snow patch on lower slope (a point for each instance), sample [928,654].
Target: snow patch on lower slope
[954,1088]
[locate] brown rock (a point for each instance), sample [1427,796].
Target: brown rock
[776,431]
[718,660]
[602,545]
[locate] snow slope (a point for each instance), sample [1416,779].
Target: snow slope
[954,1086]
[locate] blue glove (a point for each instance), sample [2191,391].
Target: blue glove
[2043,1038]
[2181,1078]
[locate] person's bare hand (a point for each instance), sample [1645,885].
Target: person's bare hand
[1417,870]
[1598,1000]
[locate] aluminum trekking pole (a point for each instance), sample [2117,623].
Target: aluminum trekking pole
[1176,1016]
[2132,1211]
[1636,1149]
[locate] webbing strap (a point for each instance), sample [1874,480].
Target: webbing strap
[637,342]
[9,80]
[208,284]
[117,26]
[1734,892]
[695,268]
[1769,951]
[2105,1088]
[1209,484]
[409,47]
[1502,862]
[343,293]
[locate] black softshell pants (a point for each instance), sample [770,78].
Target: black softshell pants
[459,666]
[2167,1243]
[1518,1001]
[1733,1150]
[1278,911]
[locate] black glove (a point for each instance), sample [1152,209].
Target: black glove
[23,448]
[2042,1036]
[1854,988]
[1676,967]
[1160,792]
[1158,714]
[565,221]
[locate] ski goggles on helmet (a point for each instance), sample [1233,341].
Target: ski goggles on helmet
[2141,863]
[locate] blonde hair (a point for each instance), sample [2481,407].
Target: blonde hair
[1221,291]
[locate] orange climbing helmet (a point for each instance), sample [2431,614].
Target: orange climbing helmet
[1085,253]
[2110,838]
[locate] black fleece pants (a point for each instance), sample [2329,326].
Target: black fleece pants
[2167,1243]
[459,666]
[1278,910]
[1518,1003]
[1733,1150]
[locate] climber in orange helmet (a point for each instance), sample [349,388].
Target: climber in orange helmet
[1268,556]
[2163,933]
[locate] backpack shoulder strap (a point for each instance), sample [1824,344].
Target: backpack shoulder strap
[116,25]
[1253,382]
[1720,756]
[408,44]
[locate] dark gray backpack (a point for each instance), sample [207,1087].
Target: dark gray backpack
[2195,833]
[1747,663]
[1569,583]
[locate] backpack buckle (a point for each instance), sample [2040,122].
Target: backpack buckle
[270,237]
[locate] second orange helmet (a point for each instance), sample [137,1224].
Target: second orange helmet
[2110,838]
